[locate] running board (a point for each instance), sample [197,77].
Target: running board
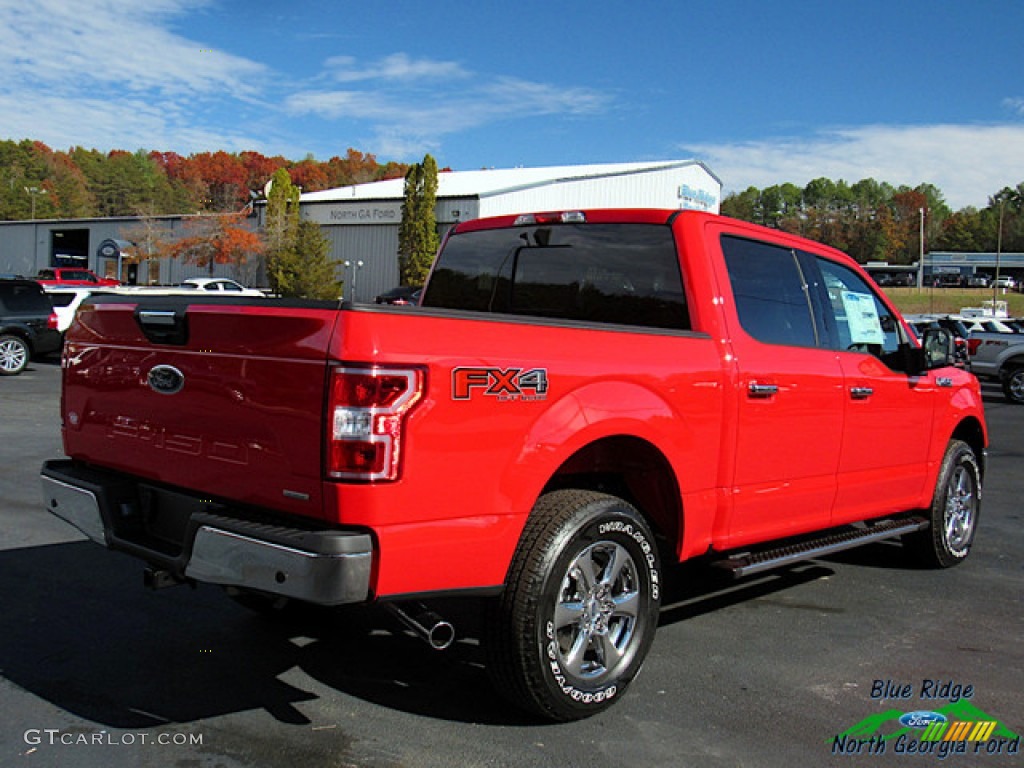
[747,563]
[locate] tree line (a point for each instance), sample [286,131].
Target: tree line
[39,182]
[875,221]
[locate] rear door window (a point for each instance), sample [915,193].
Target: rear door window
[770,291]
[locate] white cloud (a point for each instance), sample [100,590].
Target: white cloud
[128,123]
[411,120]
[397,66]
[116,44]
[968,163]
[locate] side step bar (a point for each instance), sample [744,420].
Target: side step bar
[747,563]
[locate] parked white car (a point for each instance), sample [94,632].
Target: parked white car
[66,300]
[219,285]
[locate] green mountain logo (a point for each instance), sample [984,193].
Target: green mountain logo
[886,725]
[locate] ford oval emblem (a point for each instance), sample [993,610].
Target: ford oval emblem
[921,719]
[165,379]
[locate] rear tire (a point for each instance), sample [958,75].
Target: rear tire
[14,355]
[580,607]
[1013,385]
[954,511]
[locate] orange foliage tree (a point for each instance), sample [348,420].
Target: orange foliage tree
[220,239]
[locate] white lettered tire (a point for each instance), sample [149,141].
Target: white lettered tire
[580,606]
[954,511]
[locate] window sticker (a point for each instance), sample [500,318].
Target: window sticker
[862,318]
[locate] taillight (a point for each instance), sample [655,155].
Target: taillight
[972,346]
[51,322]
[367,412]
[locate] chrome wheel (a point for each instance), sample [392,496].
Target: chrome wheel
[596,612]
[13,355]
[961,505]
[954,512]
[570,631]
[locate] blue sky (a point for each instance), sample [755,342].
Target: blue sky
[764,92]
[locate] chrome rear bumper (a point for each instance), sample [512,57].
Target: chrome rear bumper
[327,567]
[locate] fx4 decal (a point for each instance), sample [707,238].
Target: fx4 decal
[510,384]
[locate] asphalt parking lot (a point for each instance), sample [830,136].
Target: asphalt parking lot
[95,670]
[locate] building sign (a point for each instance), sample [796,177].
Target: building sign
[696,199]
[354,213]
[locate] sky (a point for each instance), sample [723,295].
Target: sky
[902,91]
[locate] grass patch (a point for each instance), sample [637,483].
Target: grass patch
[949,301]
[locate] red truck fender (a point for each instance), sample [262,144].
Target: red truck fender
[585,428]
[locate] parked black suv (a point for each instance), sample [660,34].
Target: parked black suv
[28,325]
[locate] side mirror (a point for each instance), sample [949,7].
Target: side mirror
[939,347]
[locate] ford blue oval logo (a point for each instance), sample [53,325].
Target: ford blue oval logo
[921,719]
[165,379]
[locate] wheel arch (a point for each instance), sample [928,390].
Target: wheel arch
[635,470]
[1015,359]
[971,432]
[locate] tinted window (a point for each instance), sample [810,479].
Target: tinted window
[19,298]
[770,292]
[863,322]
[61,299]
[608,273]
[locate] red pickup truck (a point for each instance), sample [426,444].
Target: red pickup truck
[74,276]
[579,398]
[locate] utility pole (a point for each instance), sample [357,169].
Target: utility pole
[32,193]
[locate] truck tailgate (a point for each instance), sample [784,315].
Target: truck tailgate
[224,397]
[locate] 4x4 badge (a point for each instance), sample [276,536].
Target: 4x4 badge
[165,379]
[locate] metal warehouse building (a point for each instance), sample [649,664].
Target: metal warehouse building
[362,221]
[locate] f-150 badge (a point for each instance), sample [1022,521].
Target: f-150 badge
[507,385]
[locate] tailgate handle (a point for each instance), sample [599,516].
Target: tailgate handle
[157,317]
[163,326]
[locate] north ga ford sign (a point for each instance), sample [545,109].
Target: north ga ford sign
[354,213]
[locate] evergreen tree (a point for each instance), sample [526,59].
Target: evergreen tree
[281,232]
[417,233]
[297,251]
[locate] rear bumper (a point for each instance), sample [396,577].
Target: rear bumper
[193,538]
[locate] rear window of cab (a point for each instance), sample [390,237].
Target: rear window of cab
[623,274]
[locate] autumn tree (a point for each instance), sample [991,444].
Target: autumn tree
[309,175]
[219,239]
[417,232]
[151,240]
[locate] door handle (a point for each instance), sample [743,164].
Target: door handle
[762,390]
[861,393]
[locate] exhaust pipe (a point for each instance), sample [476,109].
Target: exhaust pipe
[437,632]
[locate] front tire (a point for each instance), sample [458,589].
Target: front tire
[954,511]
[580,606]
[14,355]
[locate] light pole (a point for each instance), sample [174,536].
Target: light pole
[999,252]
[355,266]
[920,252]
[32,193]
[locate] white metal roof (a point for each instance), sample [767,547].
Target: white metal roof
[488,182]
